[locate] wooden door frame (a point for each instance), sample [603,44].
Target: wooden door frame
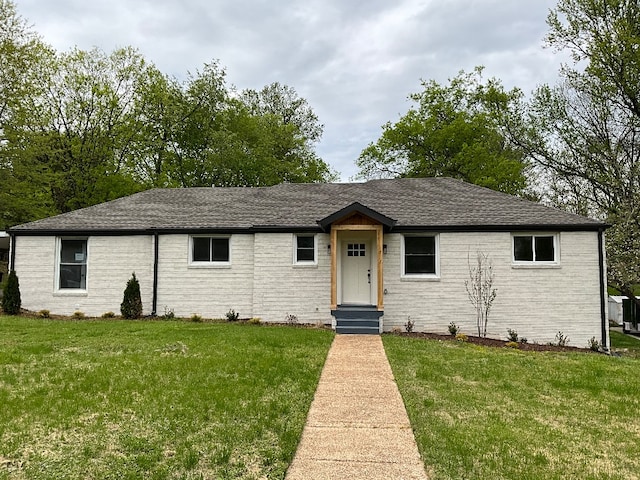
[346,226]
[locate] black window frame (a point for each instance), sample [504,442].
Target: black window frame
[298,249]
[411,257]
[530,254]
[215,256]
[68,279]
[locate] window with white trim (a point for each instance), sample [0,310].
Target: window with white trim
[535,249]
[305,251]
[210,250]
[72,264]
[420,255]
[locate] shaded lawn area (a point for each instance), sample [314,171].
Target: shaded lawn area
[626,345]
[153,399]
[499,413]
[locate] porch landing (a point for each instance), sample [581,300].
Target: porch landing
[358,319]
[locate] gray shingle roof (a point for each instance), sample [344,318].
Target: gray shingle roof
[433,203]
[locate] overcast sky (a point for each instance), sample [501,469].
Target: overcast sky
[354,61]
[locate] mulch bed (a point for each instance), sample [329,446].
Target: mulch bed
[492,342]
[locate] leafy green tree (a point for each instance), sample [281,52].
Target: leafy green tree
[159,111]
[283,102]
[83,127]
[458,130]
[585,132]
[131,306]
[262,138]
[67,148]
[21,49]
[23,65]
[11,301]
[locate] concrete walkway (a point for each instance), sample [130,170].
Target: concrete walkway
[357,426]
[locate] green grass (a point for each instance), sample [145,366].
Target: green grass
[492,413]
[153,399]
[625,345]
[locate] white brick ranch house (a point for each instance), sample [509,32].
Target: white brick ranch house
[384,250]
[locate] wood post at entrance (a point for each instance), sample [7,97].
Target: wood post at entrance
[334,268]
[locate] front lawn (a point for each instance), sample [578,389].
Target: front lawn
[499,413]
[153,399]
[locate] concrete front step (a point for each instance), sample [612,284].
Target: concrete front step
[357,319]
[358,322]
[358,330]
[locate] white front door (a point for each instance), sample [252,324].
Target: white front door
[356,271]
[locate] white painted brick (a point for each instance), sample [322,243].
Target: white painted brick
[282,288]
[209,292]
[111,261]
[263,282]
[536,302]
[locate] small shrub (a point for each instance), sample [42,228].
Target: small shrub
[254,321]
[512,344]
[512,335]
[108,315]
[131,306]
[409,325]
[78,315]
[232,316]
[453,329]
[291,319]
[523,340]
[44,314]
[11,301]
[461,337]
[168,313]
[561,339]
[196,318]
[396,330]
[593,344]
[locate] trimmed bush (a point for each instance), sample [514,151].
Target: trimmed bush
[131,306]
[11,301]
[453,329]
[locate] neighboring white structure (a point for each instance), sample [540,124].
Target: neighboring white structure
[362,257]
[615,308]
[624,312]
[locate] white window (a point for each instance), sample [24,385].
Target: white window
[305,249]
[210,251]
[72,264]
[535,249]
[420,256]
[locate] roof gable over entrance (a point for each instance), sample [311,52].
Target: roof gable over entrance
[356,208]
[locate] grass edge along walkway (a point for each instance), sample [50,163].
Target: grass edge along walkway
[485,412]
[357,426]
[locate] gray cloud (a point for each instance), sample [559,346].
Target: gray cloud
[355,62]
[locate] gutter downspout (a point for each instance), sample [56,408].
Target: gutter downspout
[603,291]
[154,306]
[12,249]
